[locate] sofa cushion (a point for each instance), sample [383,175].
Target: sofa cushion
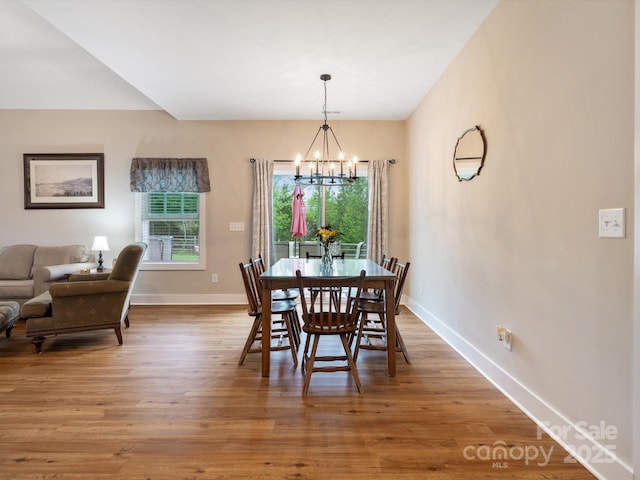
[16,289]
[46,256]
[16,262]
[39,306]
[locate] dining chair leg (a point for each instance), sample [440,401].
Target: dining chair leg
[295,323]
[309,364]
[351,362]
[354,334]
[305,354]
[292,339]
[401,346]
[378,332]
[358,338]
[251,338]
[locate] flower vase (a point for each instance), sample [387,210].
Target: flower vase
[327,259]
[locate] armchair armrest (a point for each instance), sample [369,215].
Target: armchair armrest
[43,277]
[87,277]
[100,287]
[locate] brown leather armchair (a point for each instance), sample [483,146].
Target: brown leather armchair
[86,302]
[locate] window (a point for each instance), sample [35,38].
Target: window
[173,226]
[344,208]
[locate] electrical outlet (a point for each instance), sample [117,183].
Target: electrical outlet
[507,339]
[504,336]
[214,278]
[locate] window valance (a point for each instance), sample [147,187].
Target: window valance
[170,175]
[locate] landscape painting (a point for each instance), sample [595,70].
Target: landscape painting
[73,180]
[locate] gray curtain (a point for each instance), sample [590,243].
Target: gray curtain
[169,175]
[378,227]
[262,210]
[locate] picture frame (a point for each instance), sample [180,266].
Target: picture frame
[63,180]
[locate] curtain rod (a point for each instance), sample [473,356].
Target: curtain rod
[392,161]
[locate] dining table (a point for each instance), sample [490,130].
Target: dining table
[282,275]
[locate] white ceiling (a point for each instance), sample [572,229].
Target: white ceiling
[231,59]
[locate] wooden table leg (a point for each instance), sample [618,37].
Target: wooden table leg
[266,327]
[391,327]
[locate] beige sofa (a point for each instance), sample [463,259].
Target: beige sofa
[28,270]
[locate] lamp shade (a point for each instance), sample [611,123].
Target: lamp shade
[100,244]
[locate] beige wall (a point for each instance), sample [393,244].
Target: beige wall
[635,370]
[228,146]
[552,85]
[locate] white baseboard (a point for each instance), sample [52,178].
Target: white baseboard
[188,299]
[597,456]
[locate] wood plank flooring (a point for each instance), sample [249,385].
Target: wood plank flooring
[172,404]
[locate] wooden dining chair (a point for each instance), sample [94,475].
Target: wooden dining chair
[284,314]
[339,255]
[323,318]
[285,294]
[372,332]
[377,295]
[314,292]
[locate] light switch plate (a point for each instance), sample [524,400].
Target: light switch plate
[611,223]
[236,226]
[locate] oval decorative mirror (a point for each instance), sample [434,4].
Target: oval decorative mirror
[468,156]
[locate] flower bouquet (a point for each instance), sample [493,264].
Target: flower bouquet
[326,235]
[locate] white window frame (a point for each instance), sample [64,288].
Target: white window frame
[200,265]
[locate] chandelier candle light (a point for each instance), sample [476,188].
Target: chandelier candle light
[322,168]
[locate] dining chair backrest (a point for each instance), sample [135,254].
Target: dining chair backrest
[401,270]
[331,313]
[251,287]
[259,268]
[258,264]
[388,262]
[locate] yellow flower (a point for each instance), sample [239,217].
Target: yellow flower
[326,234]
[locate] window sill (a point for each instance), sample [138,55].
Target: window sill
[172,266]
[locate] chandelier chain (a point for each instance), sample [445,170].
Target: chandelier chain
[324,107]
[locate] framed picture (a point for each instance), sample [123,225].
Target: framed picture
[63,180]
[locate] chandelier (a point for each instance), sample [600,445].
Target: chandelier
[328,167]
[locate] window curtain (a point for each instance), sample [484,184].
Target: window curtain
[378,227]
[262,210]
[169,175]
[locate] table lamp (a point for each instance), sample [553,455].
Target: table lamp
[100,244]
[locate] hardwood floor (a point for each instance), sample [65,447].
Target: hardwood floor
[172,403]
